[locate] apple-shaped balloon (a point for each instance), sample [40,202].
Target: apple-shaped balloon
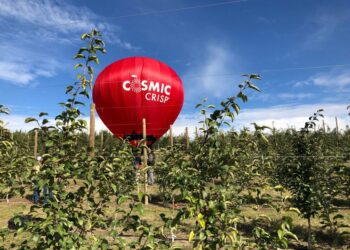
[137,88]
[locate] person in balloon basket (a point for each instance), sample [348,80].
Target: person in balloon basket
[137,164]
[36,194]
[150,163]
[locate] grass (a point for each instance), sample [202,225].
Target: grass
[323,239]
[15,206]
[151,214]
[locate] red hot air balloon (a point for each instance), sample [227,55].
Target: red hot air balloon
[134,88]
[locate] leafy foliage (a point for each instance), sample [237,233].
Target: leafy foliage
[89,202]
[212,178]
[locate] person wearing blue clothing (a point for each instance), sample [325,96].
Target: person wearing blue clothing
[36,168]
[46,192]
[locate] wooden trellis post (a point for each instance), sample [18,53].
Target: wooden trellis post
[172,145]
[323,126]
[336,125]
[187,138]
[101,139]
[145,156]
[171,139]
[92,130]
[36,144]
[196,133]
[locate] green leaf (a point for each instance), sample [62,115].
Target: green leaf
[82,49]
[84,36]
[49,143]
[191,236]
[227,124]
[79,103]
[255,76]
[280,234]
[99,42]
[17,221]
[252,86]
[122,199]
[103,50]
[30,119]
[295,210]
[114,187]
[95,32]
[43,114]
[93,58]
[263,137]
[45,121]
[140,196]
[69,89]
[242,96]
[35,238]
[90,69]
[139,208]
[79,56]
[236,107]
[201,220]
[78,65]
[4,110]
[290,234]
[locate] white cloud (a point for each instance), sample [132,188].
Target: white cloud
[324,24]
[215,62]
[23,66]
[333,80]
[281,117]
[189,121]
[16,123]
[294,96]
[21,73]
[34,31]
[284,97]
[58,15]
[18,73]
[337,80]
[285,116]
[52,20]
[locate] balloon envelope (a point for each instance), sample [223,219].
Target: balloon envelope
[134,88]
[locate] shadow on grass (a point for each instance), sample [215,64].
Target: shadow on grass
[159,200]
[29,197]
[19,221]
[341,202]
[323,239]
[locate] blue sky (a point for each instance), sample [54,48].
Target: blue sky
[300,48]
